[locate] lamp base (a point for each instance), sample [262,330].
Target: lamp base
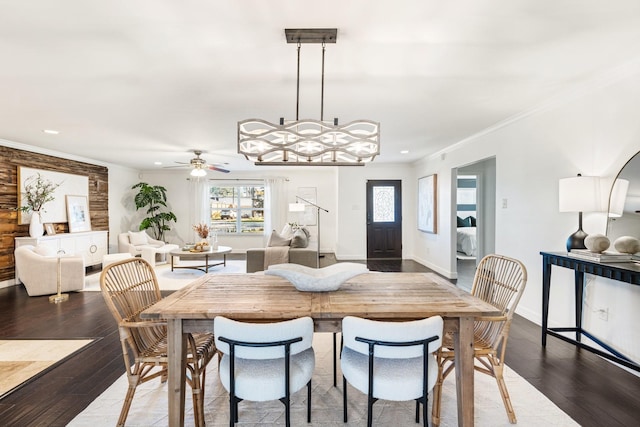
[576,240]
[58,298]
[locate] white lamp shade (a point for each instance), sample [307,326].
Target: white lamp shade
[580,194]
[618,198]
[296,207]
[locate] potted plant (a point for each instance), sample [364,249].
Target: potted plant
[37,192]
[154,199]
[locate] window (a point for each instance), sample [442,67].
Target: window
[237,209]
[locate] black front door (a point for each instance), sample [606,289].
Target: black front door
[384,219]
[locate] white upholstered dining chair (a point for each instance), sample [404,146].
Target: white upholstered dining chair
[265,361]
[390,360]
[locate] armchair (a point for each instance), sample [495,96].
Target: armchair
[37,268]
[138,243]
[134,241]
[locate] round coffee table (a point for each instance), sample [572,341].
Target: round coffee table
[222,250]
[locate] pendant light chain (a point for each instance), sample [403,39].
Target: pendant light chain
[322,86]
[298,85]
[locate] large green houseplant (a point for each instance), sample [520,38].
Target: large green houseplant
[154,199]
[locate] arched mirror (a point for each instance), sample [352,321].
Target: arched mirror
[624,219]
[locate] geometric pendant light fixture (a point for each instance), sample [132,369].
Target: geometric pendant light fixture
[309,142]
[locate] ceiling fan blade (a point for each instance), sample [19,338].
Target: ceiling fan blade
[177,166]
[216,168]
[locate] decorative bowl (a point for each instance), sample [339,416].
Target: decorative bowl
[317,279]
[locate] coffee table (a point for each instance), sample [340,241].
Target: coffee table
[222,250]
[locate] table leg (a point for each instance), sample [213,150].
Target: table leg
[579,292]
[463,344]
[177,347]
[171,261]
[546,287]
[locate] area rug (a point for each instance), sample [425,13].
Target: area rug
[173,280]
[22,360]
[149,406]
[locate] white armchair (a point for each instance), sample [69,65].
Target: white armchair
[134,241]
[37,268]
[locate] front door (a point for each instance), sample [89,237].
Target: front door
[384,219]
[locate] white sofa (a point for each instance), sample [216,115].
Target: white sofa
[138,243]
[37,268]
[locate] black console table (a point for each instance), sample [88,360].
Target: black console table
[628,272]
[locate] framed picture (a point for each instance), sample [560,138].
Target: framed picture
[50,229]
[428,204]
[78,214]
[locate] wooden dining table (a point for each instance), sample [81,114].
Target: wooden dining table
[265,298]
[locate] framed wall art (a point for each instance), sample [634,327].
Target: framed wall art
[78,214]
[428,204]
[53,211]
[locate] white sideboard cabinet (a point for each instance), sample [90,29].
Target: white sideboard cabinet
[92,245]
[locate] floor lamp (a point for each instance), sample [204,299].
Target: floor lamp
[300,207]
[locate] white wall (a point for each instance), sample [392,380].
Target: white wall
[592,131]
[351,230]
[121,204]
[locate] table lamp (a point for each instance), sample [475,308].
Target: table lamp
[579,194]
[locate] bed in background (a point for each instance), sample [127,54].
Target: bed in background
[466,240]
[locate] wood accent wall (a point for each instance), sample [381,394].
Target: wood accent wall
[10,159]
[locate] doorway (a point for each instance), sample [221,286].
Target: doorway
[475,212]
[384,219]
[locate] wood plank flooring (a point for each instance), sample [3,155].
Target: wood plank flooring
[591,390]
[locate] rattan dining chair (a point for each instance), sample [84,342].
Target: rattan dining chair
[129,287]
[390,360]
[500,281]
[265,361]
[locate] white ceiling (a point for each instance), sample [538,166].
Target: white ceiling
[133,82]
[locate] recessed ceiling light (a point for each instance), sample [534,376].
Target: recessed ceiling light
[157,163]
[50,131]
[404,152]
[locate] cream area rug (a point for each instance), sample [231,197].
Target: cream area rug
[22,359]
[172,280]
[149,406]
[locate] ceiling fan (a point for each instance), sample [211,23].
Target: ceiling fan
[200,165]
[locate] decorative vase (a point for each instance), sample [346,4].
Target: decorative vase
[597,242]
[35,226]
[627,245]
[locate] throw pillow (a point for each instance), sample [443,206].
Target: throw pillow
[300,239]
[287,231]
[473,221]
[277,240]
[467,222]
[460,222]
[137,238]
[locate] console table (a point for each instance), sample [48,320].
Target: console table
[628,272]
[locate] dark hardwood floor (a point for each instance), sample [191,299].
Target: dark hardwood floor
[591,390]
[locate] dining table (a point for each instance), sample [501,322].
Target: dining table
[373,295]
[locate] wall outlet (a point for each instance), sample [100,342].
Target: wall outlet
[505,203]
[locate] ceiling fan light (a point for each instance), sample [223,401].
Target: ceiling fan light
[198,172]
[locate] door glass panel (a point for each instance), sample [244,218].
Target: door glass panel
[383,204]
